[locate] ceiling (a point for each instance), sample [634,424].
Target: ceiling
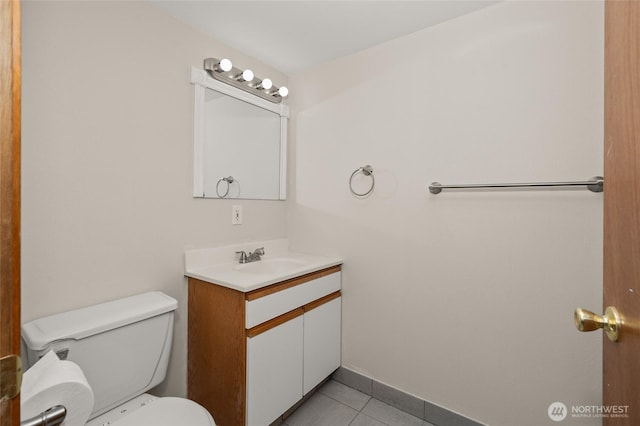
[293,35]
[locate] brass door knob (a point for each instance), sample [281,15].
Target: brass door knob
[588,321]
[10,377]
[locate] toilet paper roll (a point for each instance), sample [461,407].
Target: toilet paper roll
[50,382]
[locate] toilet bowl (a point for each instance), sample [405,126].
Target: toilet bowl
[123,349]
[153,411]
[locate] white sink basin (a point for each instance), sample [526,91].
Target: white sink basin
[281,265]
[219,265]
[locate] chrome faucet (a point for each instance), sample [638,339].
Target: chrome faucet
[251,257]
[255,256]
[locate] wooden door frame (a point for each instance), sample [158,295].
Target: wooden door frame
[621,286]
[10,104]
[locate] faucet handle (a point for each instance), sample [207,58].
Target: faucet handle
[259,251]
[243,256]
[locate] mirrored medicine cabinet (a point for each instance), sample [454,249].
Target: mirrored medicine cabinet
[239,142]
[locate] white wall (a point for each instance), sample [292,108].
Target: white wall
[107,160]
[464,299]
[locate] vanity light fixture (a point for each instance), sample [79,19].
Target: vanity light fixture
[265,84]
[223,70]
[282,91]
[246,75]
[224,65]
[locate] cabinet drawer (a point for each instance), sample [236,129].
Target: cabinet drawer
[264,308]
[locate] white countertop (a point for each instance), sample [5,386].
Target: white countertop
[219,266]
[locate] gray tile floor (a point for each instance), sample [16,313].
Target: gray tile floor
[335,404]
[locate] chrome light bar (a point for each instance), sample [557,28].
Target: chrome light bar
[223,70]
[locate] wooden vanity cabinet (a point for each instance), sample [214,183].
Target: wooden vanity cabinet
[252,356]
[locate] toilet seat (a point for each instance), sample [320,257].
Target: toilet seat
[168,411]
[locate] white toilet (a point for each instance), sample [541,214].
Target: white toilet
[123,349]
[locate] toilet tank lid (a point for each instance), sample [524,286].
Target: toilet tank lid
[85,322]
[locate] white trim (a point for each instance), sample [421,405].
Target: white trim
[283,155]
[198,145]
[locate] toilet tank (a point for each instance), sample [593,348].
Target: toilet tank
[122,346]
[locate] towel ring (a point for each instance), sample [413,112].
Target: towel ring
[229,181]
[367,171]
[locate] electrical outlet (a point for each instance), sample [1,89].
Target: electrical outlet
[236,215]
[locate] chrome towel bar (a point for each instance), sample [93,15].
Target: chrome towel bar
[52,417]
[595,184]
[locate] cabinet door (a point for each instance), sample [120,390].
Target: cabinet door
[274,372]
[322,342]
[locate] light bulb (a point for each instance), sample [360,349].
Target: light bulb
[247,75]
[283,91]
[225,65]
[266,84]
